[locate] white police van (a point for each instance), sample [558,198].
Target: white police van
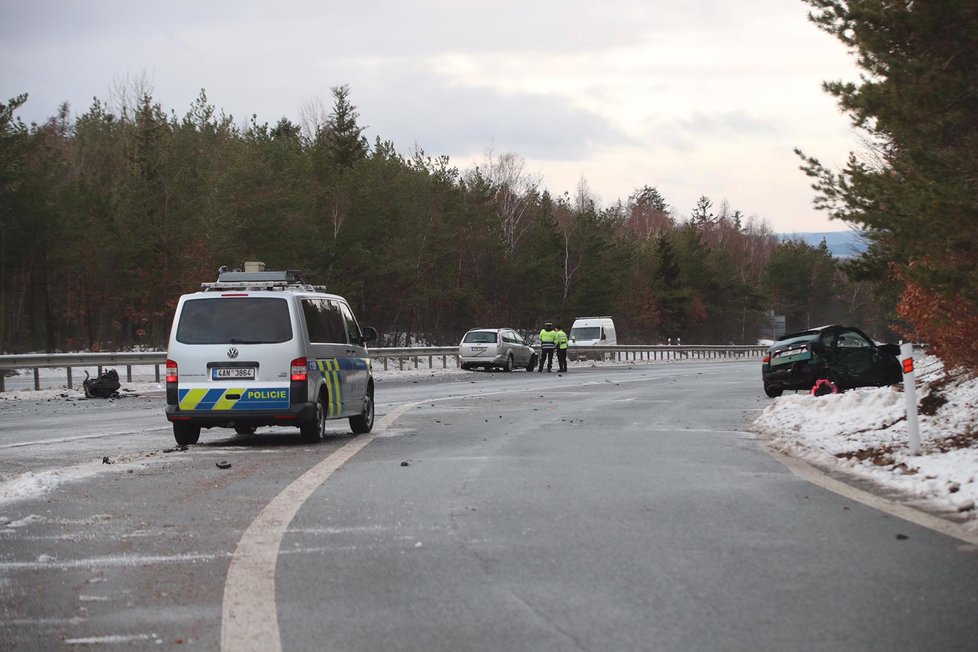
[263,348]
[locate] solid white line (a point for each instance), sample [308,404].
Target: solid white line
[63,440]
[812,474]
[249,618]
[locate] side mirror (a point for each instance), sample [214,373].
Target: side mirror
[369,334]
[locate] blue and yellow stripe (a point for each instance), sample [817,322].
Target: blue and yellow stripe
[330,370]
[234,398]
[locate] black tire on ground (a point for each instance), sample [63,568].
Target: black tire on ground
[509,364]
[315,431]
[772,392]
[364,422]
[533,363]
[245,430]
[186,433]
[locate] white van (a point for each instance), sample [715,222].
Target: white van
[261,348]
[593,331]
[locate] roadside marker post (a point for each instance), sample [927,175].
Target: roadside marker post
[910,394]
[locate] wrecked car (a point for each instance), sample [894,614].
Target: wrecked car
[843,355]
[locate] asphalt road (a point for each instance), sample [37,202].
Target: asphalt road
[622,508]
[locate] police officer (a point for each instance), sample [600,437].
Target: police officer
[560,340]
[548,342]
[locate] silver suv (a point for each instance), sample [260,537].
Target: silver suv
[491,348]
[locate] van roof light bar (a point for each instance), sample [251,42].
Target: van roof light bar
[272,280]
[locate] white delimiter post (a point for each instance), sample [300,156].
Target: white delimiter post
[910,394]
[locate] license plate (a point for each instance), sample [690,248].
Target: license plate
[233,373]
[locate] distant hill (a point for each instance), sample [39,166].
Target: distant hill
[842,244]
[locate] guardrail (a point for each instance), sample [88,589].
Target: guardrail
[388,357]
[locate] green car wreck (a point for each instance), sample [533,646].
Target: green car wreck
[842,355]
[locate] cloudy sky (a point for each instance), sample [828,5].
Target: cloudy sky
[694,97]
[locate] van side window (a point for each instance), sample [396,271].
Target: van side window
[350,323]
[324,321]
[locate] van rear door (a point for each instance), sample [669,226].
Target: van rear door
[227,350]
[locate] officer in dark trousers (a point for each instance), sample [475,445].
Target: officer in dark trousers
[548,342]
[560,340]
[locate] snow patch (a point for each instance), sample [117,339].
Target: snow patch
[864,432]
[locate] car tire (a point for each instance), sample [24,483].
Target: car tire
[245,430]
[315,431]
[533,363]
[186,434]
[772,392]
[364,422]
[509,364]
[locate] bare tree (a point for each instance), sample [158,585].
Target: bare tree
[313,118]
[513,191]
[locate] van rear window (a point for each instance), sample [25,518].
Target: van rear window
[237,320]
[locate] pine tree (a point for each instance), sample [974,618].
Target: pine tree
[917,100]
[343,137]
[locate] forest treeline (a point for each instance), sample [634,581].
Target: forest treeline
[107,217]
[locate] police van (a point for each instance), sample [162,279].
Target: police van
[264,348]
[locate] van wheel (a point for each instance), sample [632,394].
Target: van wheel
[509,364]
[364,422]
[315,431]
[533,363]
[186,433]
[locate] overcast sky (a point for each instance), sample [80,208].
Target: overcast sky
[694,97]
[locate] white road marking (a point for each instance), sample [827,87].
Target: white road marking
[811,474]
[64,440]
[50,563]
[249,618]
[112,639]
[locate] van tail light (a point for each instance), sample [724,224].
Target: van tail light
[499,339]
[299,372]
[172,389]
[767,358]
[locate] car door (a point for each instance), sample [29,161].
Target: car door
[328,351]
[855,360]
[356,363]
[522,351]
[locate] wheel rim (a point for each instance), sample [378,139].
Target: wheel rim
[320,420]
[368,411]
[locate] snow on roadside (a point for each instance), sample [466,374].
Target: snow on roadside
[34,484]
[863,432]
